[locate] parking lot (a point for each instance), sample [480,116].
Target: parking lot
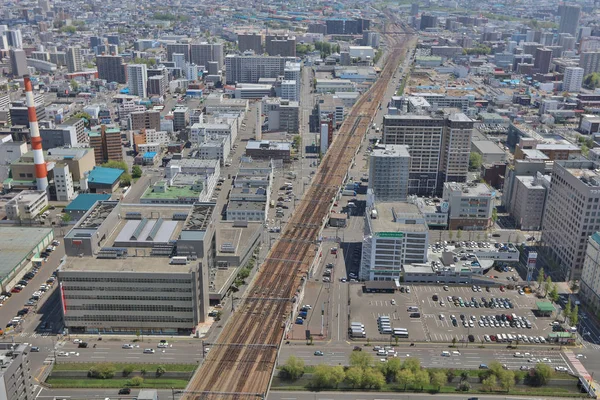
[434,323]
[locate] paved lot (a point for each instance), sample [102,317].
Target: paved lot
[367,307]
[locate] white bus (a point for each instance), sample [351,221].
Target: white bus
[400,333]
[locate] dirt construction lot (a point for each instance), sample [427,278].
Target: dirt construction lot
[435,323]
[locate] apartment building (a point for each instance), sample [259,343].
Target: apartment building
[389,167]
[137,78]
[250,68]
[74,60]
[572,214]
[106,144]
[250,41]
[111,68]
[203,53]
[145,120]
[178,48]
[589,291]
[15,372]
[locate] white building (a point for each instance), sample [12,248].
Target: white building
[200,132]
[250,68]
[289,90]
[154,136]
[137,79]
[334,85]
[26,205]
[396,233]
[573,79]
[63,182]
[589,291]
[215,148]
[179,60]
[470,205]
[362,52]
[388,172]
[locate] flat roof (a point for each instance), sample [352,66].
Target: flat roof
[544,306]
[172,192]
[129,264]
[487,147]
[16,244]
[85,201]
[385,218]
[104,176]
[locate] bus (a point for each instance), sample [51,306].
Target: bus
[400,333]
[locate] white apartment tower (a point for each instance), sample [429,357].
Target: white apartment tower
[388,172]
[573,79]
[137,78]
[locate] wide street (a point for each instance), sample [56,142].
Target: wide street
[289,395]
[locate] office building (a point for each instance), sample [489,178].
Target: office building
[569,18]
[203,53]
[18,62]
[291,72]
[14,38]
[283,115]
[27,205]
[590,62]
[111,68]
[250,41]
[15,375]
[145,120]
[589,288]
[428,21]
[543,57]
[573,79]
[74,61]
[95,42]
[280,45]
[396,233]
[59,58]
[157,85]
[388,172]
[528,201]
[167,290]
[63,183]
[137,78]
[181,118]
[572,214]
[249,69]
[456,148]
[179,48]
[113,39]
[106,144]
[470,205]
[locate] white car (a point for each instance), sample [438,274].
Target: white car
[63,354]
[127,346]
[561,369]
[163,345]
[148,351]
[77,341]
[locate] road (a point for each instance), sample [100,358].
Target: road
[289,395]
[75,394]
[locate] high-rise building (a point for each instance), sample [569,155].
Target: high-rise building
[250,41]
[388,172]
[203,53]
[157,85]
[414,9]
[74,61]
[543,57]
[428,21]
[181,118]
[137,78]
[14,38]
[111,68]
[249,69]
[573,79]
[96,41]
[63,182]
[106,144]
[291,72]
[589,289]
[335,26]
[18,62]
[145,120]
[278,45]
[590,62]
[439,147]
[113,39]
[572,214]
[180,48]
[179,60]
[569,18]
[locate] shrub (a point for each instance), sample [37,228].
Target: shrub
[102,371]
[160,370]
[135,381]
[127,370]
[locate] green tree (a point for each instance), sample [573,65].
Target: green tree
[337,375]
[507,380]
[354,376]
[160,370]
[568,309]
[127,370]
[496,368]
[540,278]
[541,374]
[592,81]
[412,364]
[489,383]
[136,171]
[122,165]
[405,378]
[458,234]
[547,285]
[438,379]
[326,376]
[360,359]
[390,368]
[454,342]
[125,179]
[136,381]
[494,215]
[74,84]
[553,295]
[102,371]
[421,378]
[574,316]
[475,161]
[66,217]
[293,368]
[372,379]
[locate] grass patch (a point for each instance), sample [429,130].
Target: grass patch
[115,383]
[71,366]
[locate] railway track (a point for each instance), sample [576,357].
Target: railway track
[241,362]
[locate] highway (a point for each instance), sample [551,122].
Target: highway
[289,395]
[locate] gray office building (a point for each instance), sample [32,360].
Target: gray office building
[569,18]
[18,62]
[250,41]
[388,172]
[111,68]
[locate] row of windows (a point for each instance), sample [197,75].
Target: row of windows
[129,318]
[128,289]
[122,280]
[129,307]
[127,298]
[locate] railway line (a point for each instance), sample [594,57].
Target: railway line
[240,364]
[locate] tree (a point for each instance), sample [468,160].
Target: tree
[421,378]
[494,215]
[568,309]
[574,316]
[160,370]
[125,179]
[135,381]
[372,379]
[458,234]
[454,342]
[592,81]
[405,378]
[354,376]
[136,171]
[553,295]
[122,165]
[337,375]
[293,368]
[127,370]
[507,380]
[360,359]
[102,371]
[74,84]
[438,379]
[496,368]
[540,278]
[390,368]
[547,285]
[326,376]
[489,383]
[66,217]
[541,374]
[412,364]
[475,161]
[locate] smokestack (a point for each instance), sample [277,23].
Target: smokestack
[41,173]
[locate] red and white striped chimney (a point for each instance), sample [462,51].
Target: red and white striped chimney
[41,173]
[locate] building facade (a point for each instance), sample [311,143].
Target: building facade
[137,78]
[389,171]
[470,205]
[589,291]
[111,68]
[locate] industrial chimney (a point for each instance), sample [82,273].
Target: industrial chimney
[41,173]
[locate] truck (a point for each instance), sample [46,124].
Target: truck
[179,260]
[358,333]
[348,192]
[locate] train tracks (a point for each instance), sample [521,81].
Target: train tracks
[241,363]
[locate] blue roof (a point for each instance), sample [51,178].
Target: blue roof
[149,154]
[85,201]
[596,237]
[105,176]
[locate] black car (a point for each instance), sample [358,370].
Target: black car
[125,391]
[23,282]
[29,275]
[22,312]
[84,345]
[454,322]
[471,338]
[7,294]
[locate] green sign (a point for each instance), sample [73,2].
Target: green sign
[390,234]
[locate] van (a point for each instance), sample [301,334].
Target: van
[415,315]
[445,353]
[412,309]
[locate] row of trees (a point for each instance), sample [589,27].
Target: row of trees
[108,370]
[327,48]
[592,81]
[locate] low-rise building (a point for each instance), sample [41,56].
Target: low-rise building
[470,205]
[104,180]
[334,85]
[181,189]
[82,204]
[490,152]
[27,205]
[216,148]
[269,150]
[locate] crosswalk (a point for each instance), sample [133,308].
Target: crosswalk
[34,335]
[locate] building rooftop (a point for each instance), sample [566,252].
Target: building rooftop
[469,189]
[172,192]
[487,147]
[104,176]
[267,145]
[391,150]
[18,244]
[387,213]
[246,206]
[85,201]
[149,154]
